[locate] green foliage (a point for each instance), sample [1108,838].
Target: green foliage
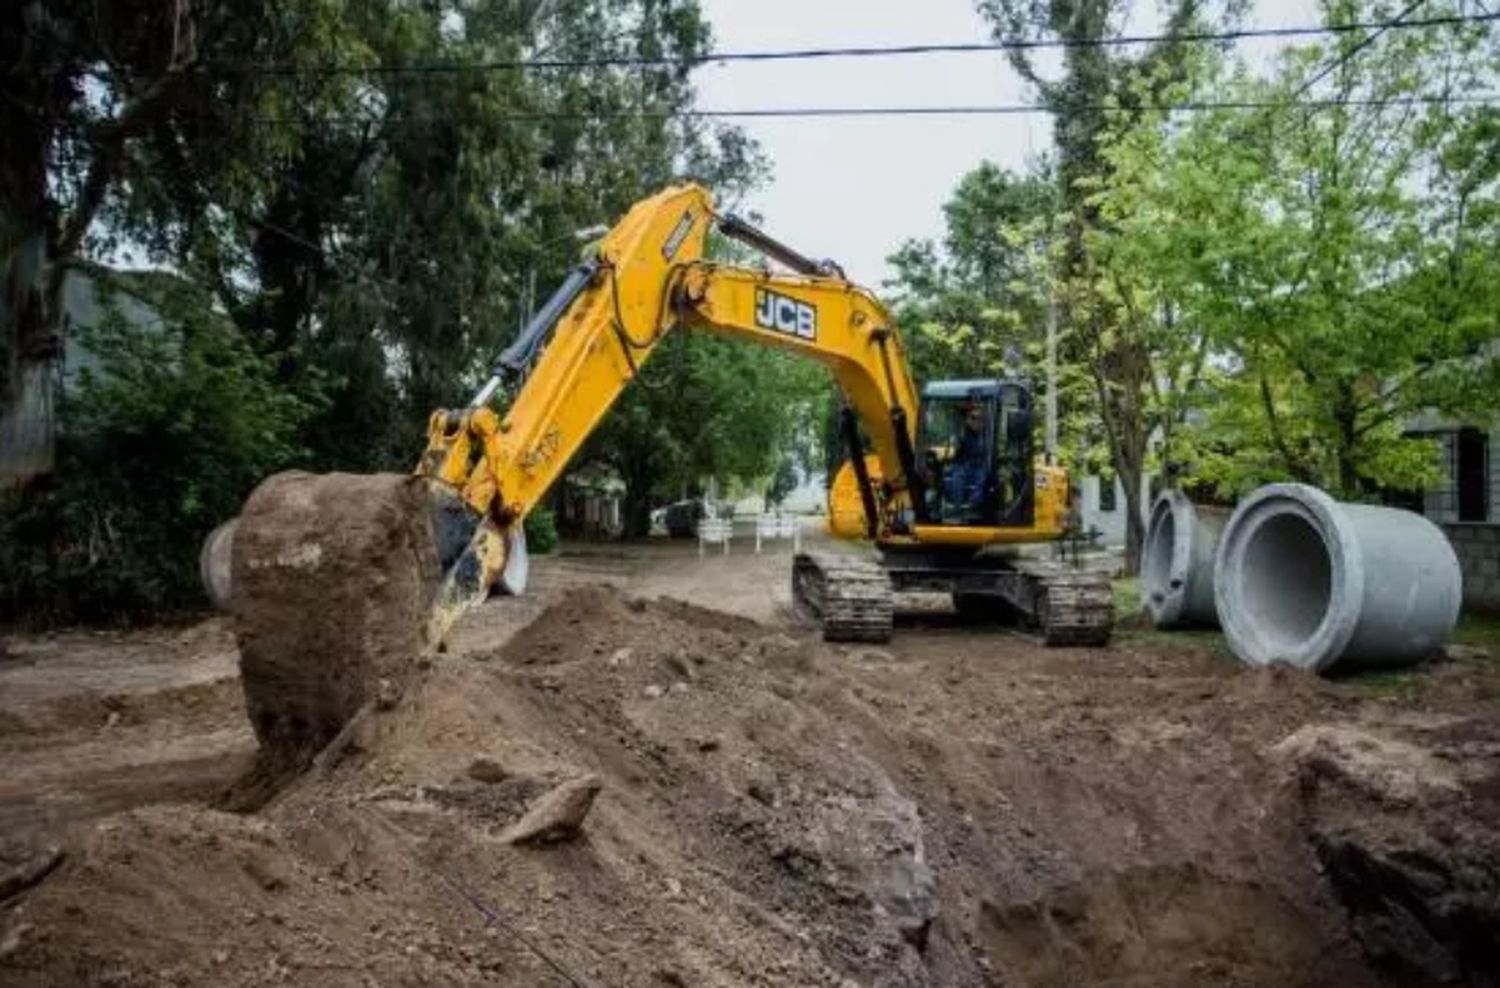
[1310,284]
[783,482]
[373,239]
[977,305]
[1103,333]
[541,532]
[708,407]
[163,438]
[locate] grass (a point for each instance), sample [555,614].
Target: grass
[1479,630]
[1127,597]
[1131,626]
[1475,630]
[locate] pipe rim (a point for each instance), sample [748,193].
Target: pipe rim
[1327,642]
[215,563]
[1168,601]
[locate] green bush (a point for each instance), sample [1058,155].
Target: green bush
[541,532]
[160,439]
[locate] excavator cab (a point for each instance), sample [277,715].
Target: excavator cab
[976,443]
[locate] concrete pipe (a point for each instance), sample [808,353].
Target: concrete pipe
[1303,579]
[214,563]
[1177,562]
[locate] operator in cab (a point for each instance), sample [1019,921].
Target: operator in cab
[966,470]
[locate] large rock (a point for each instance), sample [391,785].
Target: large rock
[556,816]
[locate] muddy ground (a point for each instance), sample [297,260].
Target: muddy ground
[961,807]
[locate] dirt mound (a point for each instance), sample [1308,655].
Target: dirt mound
[187,896]
[592,621]
[961,809]
[184,705]
[1409,836]
[333,577]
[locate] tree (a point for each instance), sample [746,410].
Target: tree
[173,420]
[1337,267]
[706,407]
[85,90]
[366,189]
[783,482]
[1095,78]
[402,226]
[976,305]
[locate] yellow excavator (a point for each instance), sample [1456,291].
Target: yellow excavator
[936,479]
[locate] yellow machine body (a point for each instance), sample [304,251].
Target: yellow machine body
[649,279]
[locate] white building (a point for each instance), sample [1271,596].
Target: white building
[1101,506]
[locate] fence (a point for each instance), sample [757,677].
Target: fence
[711,530]
[776,527]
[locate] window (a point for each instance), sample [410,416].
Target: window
[1106,493]
[1473,475]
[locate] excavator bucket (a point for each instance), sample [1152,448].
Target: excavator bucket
[339,584]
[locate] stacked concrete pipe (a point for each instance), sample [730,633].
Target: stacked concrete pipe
[1315,583]
[214,563]
[1177,562]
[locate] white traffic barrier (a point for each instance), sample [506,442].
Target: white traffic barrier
[712,530]
[777,527]
[1303,579]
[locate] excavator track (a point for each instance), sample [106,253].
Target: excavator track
[1073,607]
[1060,604]
[851,597]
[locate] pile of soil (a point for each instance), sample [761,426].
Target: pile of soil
[964,808]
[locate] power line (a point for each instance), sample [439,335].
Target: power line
[806,54]
[956,110]
[1016,109]
[1365,42]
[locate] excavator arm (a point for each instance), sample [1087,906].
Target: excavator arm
[647,279]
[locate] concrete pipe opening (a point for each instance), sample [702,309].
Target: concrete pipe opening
[1302,579]
[1156,558]
[1287,581]
[1177,562]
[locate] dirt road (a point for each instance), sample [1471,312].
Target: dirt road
[962,807]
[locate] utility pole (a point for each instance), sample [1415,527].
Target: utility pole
[1051,440]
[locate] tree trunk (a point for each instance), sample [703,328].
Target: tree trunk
[1135,527]
[637,520]
[639,478]
[30,323]
[30,344]
[1346,412]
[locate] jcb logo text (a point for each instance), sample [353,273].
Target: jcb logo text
[785,315]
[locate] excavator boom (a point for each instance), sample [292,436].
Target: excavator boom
[647,280]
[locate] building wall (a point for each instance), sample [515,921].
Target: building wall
[1477,544]
[86,306]
[1440,503]
[1110,523]
[1478,549]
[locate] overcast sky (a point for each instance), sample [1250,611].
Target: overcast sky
[853,189]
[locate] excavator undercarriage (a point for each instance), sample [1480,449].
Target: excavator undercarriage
[853,597]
